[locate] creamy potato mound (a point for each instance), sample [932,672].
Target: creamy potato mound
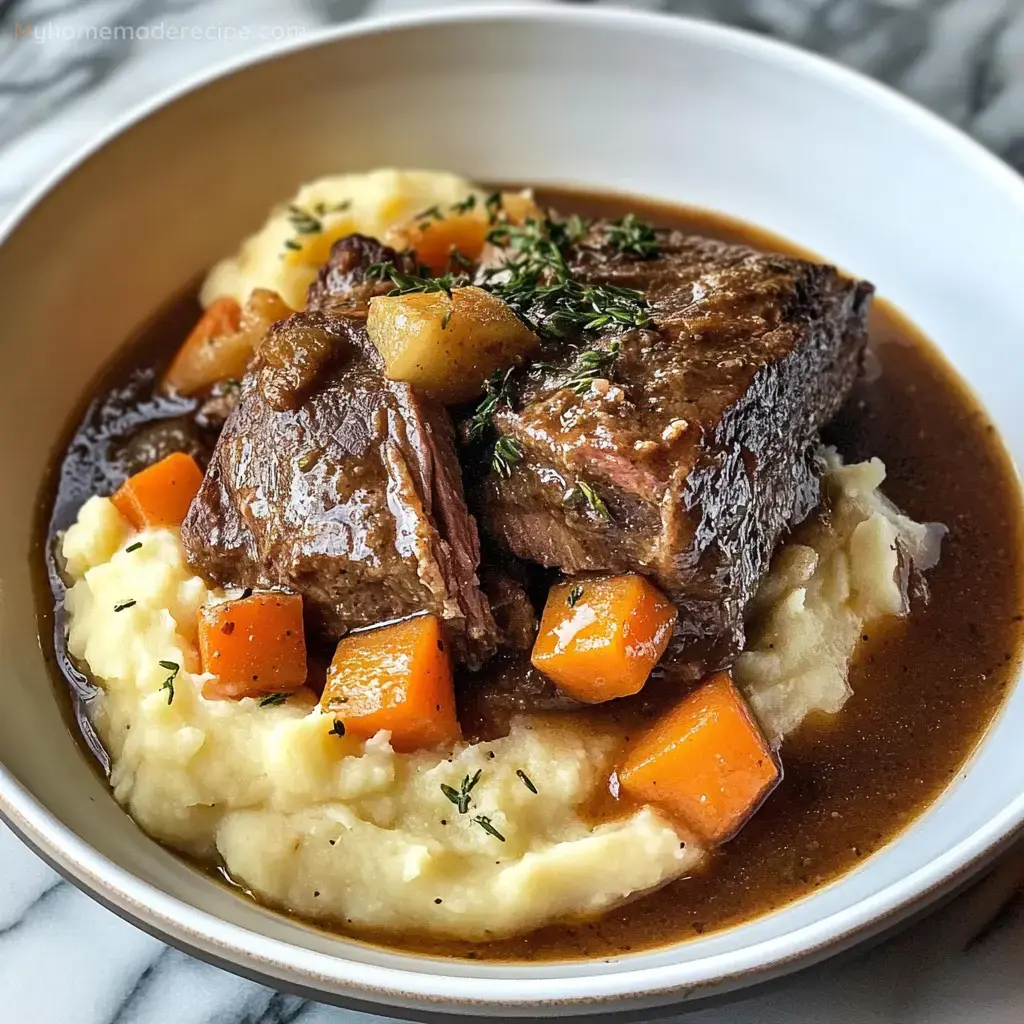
[336,828]
[327,825]
[286,253]
[809,614]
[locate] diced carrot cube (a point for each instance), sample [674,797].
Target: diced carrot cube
[705,762]
[600,638]
[396,677]
[160,494]
[253,646]
[434,241]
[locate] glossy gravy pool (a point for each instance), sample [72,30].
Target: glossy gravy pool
[925,688]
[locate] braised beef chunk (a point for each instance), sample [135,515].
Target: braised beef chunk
[342,285]
[691,450]
[342,485]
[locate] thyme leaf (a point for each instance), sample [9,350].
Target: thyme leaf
[591,365]
[630,235]
[574,595]
[493,204]
[274,698]
[460,797]
[133,547]
[429,214]
[496,393]
[485,823]
[407,284]
[526,780]
[467,204]
[535,280]
[506,455]
[168,683]
[584,492]
[122,605]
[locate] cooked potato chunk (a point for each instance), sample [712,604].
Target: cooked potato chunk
[447,346]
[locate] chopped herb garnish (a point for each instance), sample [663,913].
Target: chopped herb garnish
[460,797]
[274,698]
[460,259]
[123,605]
[466,205]
[591,365]
[338,729]
[304,222]
[407,284]
[497,393]
[630,235]
[485,823]
[310,222]
[307,460]
[168,683]
[536,282]
[506,455]
[574,595]
[429,214]
[526,780]
[493,206]
[446,319]
[584,492]
[322,209]
[133,547]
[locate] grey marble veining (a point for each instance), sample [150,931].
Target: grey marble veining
[64,959]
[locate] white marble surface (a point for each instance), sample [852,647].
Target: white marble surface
[64,959]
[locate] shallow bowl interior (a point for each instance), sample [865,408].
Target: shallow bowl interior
[673,109]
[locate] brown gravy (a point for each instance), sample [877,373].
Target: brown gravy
[925,688]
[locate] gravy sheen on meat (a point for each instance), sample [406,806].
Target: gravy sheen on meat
[703,448]
[366,518]
[925,687]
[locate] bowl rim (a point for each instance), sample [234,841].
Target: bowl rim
[235,947]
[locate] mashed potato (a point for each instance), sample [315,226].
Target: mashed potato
[811,610]
[327,825]
[336,828]
[286,253]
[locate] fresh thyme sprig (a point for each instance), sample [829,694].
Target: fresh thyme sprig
[274,698]
[591,365]
[311,221]
[493,206]
[408,284]
[460,797]
[168,684]
[496,390]
[467,204]
[630,235]
[485,823]
[507,454]
[535,280]
[585,493]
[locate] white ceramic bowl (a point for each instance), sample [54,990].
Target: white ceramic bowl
[672,108]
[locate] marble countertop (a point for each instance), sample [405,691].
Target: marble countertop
[60,85]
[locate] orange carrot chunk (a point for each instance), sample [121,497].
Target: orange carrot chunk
[253,646]
[398,678]
[223,342]
[600,638]
[160,494]
[434,241]
[219,321]
[705,762]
